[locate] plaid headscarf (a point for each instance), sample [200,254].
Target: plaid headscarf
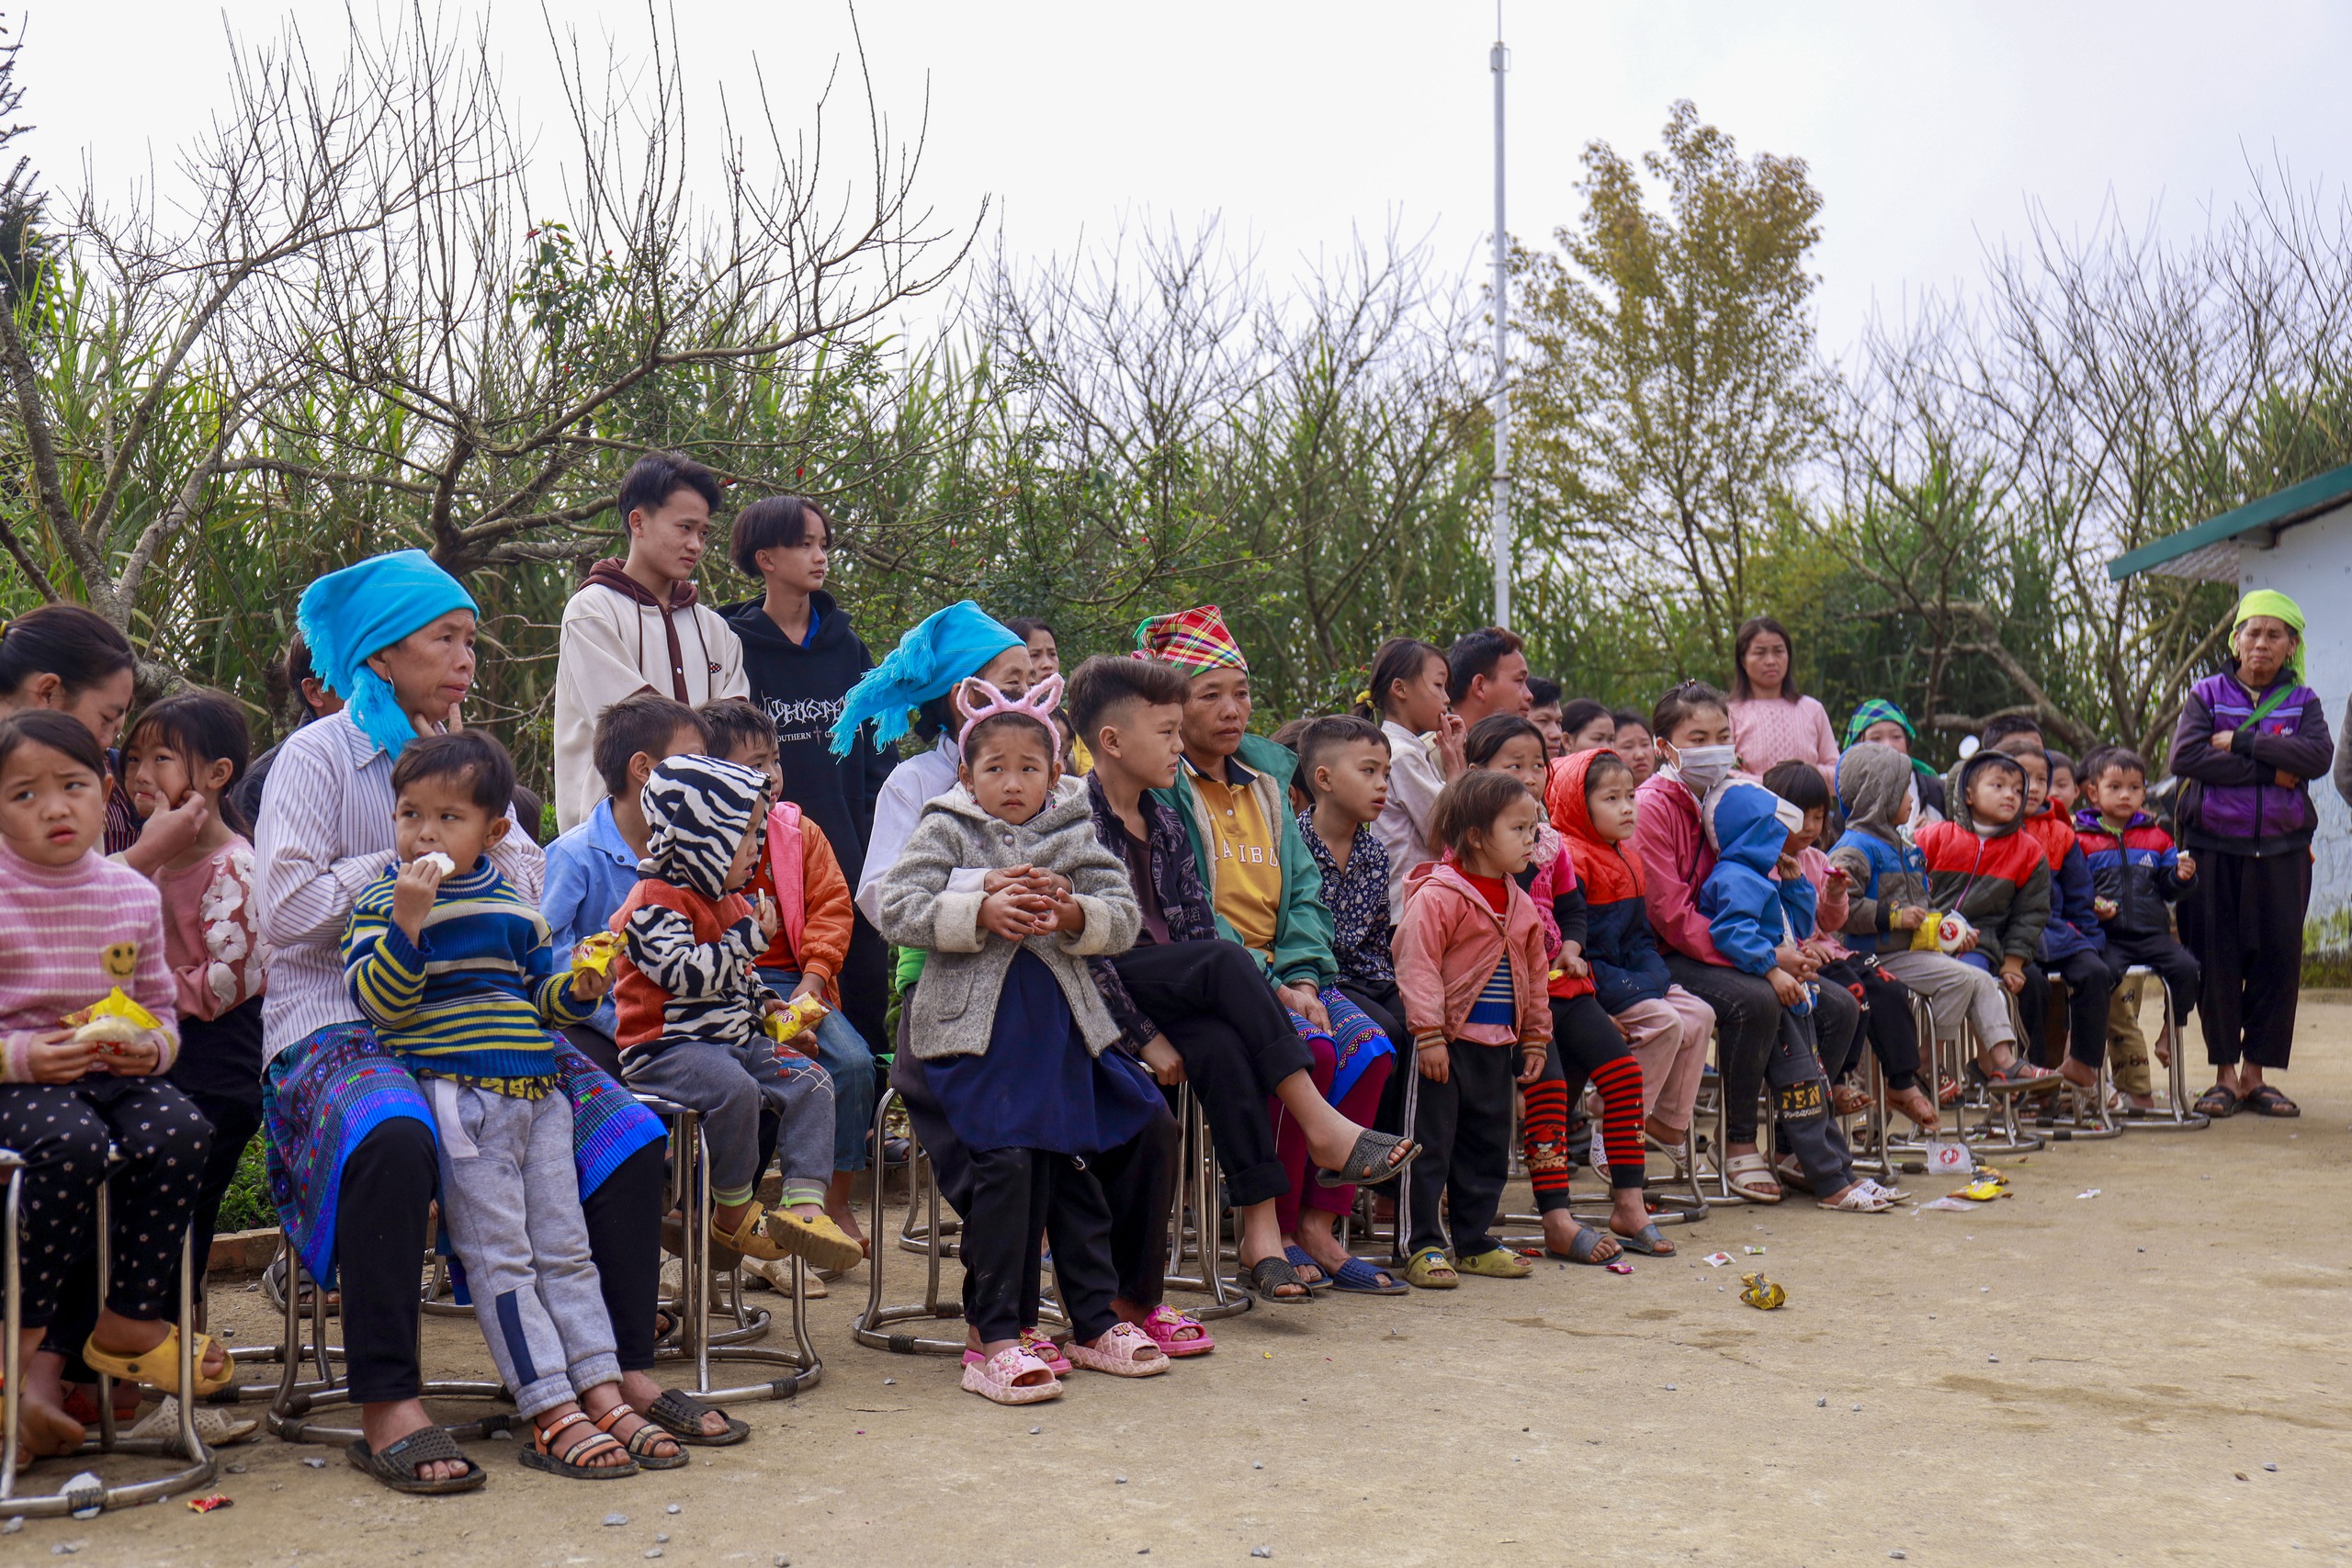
[1878,710]
[1194,640]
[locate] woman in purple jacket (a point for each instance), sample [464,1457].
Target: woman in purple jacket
[2251,739]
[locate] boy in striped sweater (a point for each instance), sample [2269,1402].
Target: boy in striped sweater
[454,969]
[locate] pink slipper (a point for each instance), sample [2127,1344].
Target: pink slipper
[1125,1352]
[1036,1343]
[1163,1326]
[995,1378]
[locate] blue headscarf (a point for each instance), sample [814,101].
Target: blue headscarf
[350,615]
[951,645]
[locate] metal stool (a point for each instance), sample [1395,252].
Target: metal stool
[326,1387]
[2178,1115]
[201,1466]
[693,1340]
[871,1326]
[1999,1130]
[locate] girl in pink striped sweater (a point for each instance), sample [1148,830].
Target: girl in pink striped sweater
[74,929]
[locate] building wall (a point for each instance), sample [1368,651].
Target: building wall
[2312,565]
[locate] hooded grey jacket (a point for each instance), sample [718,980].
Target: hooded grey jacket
[1882,870]
[953,1013]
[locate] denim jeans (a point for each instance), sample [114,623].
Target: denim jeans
[842,1051]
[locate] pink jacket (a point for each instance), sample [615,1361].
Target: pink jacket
[1448,947]
[1676,856]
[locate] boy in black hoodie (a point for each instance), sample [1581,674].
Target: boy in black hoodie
[801,659]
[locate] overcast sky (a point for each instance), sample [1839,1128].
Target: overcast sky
[1930,130]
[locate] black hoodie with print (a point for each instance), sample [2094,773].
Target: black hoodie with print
[801,687]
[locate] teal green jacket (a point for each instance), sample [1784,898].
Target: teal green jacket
[1301,926]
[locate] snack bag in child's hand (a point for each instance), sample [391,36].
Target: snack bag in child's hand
[1943,934]
[595,953]
[795,1019]
[111,1023]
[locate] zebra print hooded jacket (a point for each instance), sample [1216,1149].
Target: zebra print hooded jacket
[953,1011]
[689,946]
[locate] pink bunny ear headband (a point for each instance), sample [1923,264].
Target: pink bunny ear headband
[1039,705]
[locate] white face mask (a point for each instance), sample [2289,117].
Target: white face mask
[1910,823]
[1702,767]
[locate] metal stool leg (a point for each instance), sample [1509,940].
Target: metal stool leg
[871,1327]
[2178,1116]
[1197,1188]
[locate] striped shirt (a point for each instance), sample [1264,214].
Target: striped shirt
[1498,1002]
[325,833]
[57,927]
[474,996]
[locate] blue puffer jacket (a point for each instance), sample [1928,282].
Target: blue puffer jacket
[1750,910]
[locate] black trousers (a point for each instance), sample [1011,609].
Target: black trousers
[1748,1031]
[1464,1126]
[2244,920]
[1107,1242]
[380,1237]
[1892,1032]
[2174,964]
[2089,975]
[1238,1043]
[234,1121]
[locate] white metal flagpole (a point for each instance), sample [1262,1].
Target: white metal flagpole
[1498,61]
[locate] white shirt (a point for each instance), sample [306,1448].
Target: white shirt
[612,648]
[325,833]
[1403,825]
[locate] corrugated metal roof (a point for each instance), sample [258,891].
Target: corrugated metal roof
[2210,550]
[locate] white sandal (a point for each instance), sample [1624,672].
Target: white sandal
[1862,1198]
[994,1379]
[1741,1166]
[1125,1351]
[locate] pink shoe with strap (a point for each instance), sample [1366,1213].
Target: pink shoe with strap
[1178,1333]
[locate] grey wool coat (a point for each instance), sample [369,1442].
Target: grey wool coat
[954,1008]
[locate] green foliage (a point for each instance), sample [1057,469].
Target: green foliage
[246,1206]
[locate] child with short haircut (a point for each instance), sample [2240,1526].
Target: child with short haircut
[1756,901]
[2065,786]
[1888,901]
[1886,1001]
[454,970]
[693,1012]
[1983,867]
[2136,873]
[1586,1045]
[1471,965]
[1012,1040]
[74,929]
[798,869]
[592,868]
[1344,760]
[193,746]
[2073,948]
[1589,796]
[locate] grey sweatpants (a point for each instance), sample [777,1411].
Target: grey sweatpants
[511,1200]
[1955,990]
[729,1085]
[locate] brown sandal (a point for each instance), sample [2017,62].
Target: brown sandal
[640,1443]
[540,1457]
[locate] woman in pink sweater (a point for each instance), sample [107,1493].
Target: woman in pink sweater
[77,930]
[1771,721]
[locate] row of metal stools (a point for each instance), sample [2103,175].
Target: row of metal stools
[311,1379]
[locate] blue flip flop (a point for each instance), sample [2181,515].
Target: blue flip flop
[1300,1259]
[1360,1278]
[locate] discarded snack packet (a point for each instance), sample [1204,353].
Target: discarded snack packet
[1981,1192]
[1620,1268]
[1761,1294]
[1753,1251]
[595,953]
[1716,1259]
[206,1505]
[799,1015]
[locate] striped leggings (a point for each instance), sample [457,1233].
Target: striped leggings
[1586,1047]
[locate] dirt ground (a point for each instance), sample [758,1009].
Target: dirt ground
[2157,1374]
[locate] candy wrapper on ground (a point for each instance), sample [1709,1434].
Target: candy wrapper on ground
[206,1505]
[799,1017]
[595,953]
[1761,1294]
[1982,1191]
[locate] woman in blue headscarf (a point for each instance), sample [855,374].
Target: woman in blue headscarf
[350,1140]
